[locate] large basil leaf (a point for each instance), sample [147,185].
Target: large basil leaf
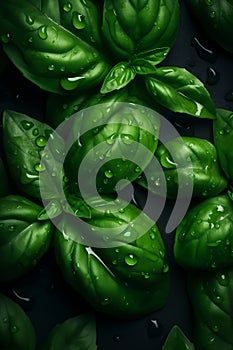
[16,329]
[216,19]
[180,91]
[204,239]
[211,298]
[131,27]
[116,259]
[176,339]
[223,138]
[110,141]
[75,333]
[186,161]
[24,141]
[46,51]
[23,239]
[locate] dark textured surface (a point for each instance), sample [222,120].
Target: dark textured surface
[43,293]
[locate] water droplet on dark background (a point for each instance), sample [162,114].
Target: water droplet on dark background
[204,51]
[212,76]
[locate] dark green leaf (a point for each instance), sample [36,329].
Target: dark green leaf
[143,66]
[176,340]
[211,298]
[223,139]
[16,329]
[179,90]
[73,334]
[118,77]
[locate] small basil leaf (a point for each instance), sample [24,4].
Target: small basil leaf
[176,339]
[143,66]
[74,333]
[180,91]
[155,56]
[118,77]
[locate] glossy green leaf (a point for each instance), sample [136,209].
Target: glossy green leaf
[143,66]
[131,27]
[211,299]
[45,50]
[24,141]
[74,333]
[223,138]
[204,239]
[186,161]
[16,329]
[180,91]
[23,239]
[215,18]
[115,259]
[176,339]
[155,56]
[115,141]
[118,77]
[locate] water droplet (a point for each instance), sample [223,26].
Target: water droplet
[42,32]
[105,301]
[203,51]
[108,174]
[51,67]
[212,76]
[39,167]
[41,141]
[212,14]
[131,260]
[209,2]
[111,139]
[29,19]
[78,20]
[137,169]
[116,338]
[5,38]
[213,265]
[152,235]
[154,329]
[14,329]
[11,228]
[26,125]
[127,139]
[67,7]
[35,132]
[165,268]
[70,84]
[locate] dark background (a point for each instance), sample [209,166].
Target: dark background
[43,294]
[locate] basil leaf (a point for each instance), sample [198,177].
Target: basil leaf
[176,339]
[143,66]
[118,77]
[204,238]
[74,333]
[211,299]
[223,139]
[180,91]
[155,56]
[16,329]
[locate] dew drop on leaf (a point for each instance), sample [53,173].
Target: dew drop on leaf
[78,20]
[41,141]
[131,260]
[67,7]
[42,32]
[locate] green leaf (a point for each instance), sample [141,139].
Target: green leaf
[143,66]
[118,77]
[74,333]
[211,296]
[176,340]
[16,329]
[154,56]
[50,211]
[180,91]
[223,139]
